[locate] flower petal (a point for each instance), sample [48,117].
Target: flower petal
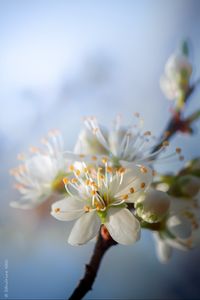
[85,229]
[67,209]
[163,250]
[138,177]
[180,226]
[122,226]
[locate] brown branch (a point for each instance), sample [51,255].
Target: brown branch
[91,269]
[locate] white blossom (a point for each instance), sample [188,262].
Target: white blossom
[181,228]
[36,176]
[100,196]
[123,145]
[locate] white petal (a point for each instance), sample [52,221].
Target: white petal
[67,209]
[135,178]
[85,229]
[164,251]
[88,143]
[180,226]
[123,227]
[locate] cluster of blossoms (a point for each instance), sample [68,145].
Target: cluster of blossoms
[108,181]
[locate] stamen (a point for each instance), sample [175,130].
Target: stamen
[65,180]
[78,172]
[74,180]
[147,133]
[142,185]
[94,158]
[86,208]
[178,150]
[71,168]
[143,169]
[132,190]
[104,160]
[109,169]
[57,210]
[125,197]
[93,192]
[165,144]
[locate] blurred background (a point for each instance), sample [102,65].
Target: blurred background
[60,61]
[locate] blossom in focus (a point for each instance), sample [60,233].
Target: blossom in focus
[41,173]
[100,196]
[180,229]
[176,79]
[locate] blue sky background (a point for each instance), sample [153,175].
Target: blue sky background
[60,61]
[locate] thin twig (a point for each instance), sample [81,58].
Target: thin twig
[91,269]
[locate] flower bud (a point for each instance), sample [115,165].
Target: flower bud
[153,206]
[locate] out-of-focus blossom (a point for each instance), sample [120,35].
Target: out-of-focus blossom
[100,196]
[123,145]
[41,173]
[180,229]
[176,79]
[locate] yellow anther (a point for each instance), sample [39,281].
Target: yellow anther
[71,168]
[93,192]
[165,143]
[87,182]
[143,169]
[78,172]
[142,185]
[104,160]
[125,197]
[33,149]
[74,180]
[94,157]
[85,170]
[57,210]
[178,150]
[81,155]
[86,208]
[94,184]
[132,190]
[102,176]
[147,133]
[121,170]
[65,180]
[109,169]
